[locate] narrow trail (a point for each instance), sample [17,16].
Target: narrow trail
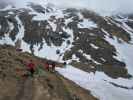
[25,91]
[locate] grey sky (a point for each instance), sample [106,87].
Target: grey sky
[100,6]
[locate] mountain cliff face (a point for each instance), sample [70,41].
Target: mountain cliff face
[80,37]
[76,36]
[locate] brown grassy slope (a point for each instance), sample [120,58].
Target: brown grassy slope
[48,86]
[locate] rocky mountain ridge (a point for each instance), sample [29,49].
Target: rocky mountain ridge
[76,36]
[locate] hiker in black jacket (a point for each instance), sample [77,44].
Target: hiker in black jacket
[53,66]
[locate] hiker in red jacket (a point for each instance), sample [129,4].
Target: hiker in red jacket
[46,65]
[31,67]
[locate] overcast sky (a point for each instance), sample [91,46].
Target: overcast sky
[100,6]
[106,6]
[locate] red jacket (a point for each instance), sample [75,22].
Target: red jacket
[31,65]
[46,65]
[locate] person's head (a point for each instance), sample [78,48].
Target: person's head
[53,63]
[64,63]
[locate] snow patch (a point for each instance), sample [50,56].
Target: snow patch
[94,46]
[0,27]
[97,85]
[87,24]
[21,32]
[75,58]
[46,16]
[6,40]
[25,47]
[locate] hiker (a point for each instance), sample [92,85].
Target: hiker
[64,64]
[31,67]
[46,65]
[19,50]
[53,66]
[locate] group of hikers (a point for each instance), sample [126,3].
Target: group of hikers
[31,66]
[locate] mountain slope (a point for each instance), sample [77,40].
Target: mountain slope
[48,86]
